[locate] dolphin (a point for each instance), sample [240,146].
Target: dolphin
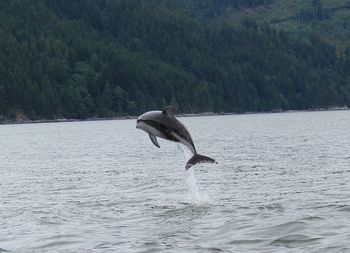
[163,124]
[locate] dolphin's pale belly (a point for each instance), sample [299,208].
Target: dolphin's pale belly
[151,130]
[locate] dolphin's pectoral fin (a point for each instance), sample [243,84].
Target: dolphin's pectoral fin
[169,111]
[154,140]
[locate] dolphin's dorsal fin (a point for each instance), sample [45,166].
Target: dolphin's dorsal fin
[169,111]
[154,140]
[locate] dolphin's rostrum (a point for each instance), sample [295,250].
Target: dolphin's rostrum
[163,124]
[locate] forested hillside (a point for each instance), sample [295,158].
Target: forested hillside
[329,19]
[100,58]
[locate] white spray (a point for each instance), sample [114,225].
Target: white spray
[194,194]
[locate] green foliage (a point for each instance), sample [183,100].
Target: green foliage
[101,58]
[329,19]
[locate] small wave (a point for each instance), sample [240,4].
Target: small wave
[335,249]
[312,218]
[293,240]
[247,242]
[58,241]
[344,208]
[57,244]
[188,211]
[270,207]
[4,250]
[328,206]
[286,228]
[211,249]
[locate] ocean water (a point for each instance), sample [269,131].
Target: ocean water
[282,184]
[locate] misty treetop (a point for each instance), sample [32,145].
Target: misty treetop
[100,58]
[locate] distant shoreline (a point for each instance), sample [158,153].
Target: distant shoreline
[16,122]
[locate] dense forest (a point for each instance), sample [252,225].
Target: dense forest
[103,58]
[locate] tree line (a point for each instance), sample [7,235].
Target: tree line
[101,58]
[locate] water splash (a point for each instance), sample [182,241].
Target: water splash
[195,195]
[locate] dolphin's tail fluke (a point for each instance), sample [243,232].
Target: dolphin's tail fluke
[196,158]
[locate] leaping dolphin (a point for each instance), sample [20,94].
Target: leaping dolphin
[163,124]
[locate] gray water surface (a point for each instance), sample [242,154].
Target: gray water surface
[282,185]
